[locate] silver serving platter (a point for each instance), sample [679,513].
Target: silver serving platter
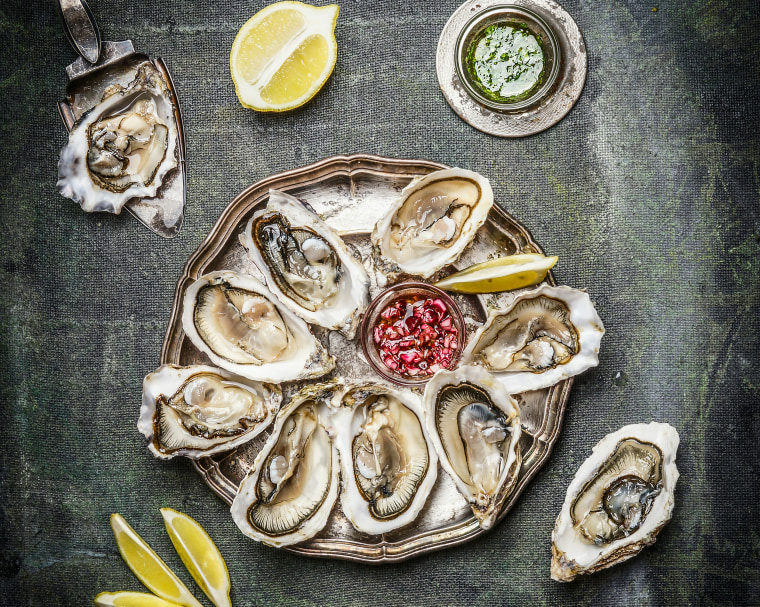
[350,193]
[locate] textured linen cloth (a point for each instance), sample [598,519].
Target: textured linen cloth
[647,191]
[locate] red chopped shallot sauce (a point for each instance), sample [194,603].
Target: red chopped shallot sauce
[416,336]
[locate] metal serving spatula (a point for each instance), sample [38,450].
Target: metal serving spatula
[99,66]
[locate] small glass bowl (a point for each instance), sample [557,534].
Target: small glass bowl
[403,290]
[509,15]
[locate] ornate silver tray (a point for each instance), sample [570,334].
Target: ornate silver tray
[351,192]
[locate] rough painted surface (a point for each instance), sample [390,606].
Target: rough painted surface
[648,192]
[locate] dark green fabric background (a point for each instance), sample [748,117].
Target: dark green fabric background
[648,192]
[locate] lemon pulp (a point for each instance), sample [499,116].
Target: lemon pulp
[283,55]
[131,599]
[200,555]
[501,274]
[148,566]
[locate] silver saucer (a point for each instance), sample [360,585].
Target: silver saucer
[548,110]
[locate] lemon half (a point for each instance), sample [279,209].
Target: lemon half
[283,55]
[501,274]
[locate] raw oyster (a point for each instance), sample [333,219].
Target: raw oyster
[306,264]
[289,493]
[388,462]
[432,222]
[199,410]
[123,147]
[475,427]
[620,499]
[241,327]
[546,335]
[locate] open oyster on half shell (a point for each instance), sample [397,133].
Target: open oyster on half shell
[199,410]
[306,264]
[433,220]
[241,327]
[122,148]
[475,426]
[620,499]
[289,493]
[388,463]
[546,335]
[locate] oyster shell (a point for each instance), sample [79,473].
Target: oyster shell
[241,327]
[289,493]
[123,147]
[620,499]
[388,463]
[306,264]
[434,219]
[475,427]
[199,410]
[546,335]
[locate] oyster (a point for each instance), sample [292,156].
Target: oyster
[475,427]
[123,147]
[234,320]
[546,335]
[199,410]
[388,463]
[289,493]
[306,264]
[432,222]
[620,499]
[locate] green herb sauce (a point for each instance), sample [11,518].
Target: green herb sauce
[506,62]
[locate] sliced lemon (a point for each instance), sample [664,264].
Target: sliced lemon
[501,274]
[283,55]
[148,566]
[131,599]
[200,555]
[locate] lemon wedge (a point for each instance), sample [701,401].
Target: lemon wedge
[200,555]
[283,55]
[131,599]
[148,566]
[501,274]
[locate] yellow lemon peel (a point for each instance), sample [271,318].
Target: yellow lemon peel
[283,55]
[501,274]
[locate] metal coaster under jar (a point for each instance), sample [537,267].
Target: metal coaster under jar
[522,20]
[562,78]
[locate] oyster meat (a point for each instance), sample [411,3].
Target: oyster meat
[199,410]
[123,147]
[289,493]
[475,426]
[432,222]
[306,264]
[546,335]
[241,327]
[389,465]
[620,499]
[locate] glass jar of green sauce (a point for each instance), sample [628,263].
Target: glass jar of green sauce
[507,58]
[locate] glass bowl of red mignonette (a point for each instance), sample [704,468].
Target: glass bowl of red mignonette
[410,331]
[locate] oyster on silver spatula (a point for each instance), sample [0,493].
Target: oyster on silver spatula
[122,148]
[620,499]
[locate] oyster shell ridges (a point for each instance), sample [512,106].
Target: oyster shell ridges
[204,427]
[432,222]
[294,352]
[518,344]
[122,148]
[475,427]
[627,508]
[322,282]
